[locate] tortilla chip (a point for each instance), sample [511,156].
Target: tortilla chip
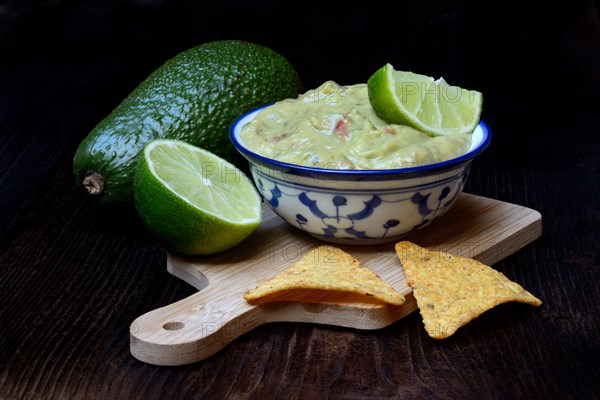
[328,268]
[452,291]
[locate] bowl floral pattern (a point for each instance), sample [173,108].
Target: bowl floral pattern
[371,215]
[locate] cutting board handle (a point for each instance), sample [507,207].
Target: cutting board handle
[194,328]
[191,329]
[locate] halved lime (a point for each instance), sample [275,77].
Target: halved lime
[194,202]
[431,106]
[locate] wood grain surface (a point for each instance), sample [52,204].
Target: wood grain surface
[73,276]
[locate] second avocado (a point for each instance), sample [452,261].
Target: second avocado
[193,97]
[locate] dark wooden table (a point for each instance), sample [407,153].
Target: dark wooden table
[73,276]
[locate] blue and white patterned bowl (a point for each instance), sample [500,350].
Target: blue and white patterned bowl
[359,207]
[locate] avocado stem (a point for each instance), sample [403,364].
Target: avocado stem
[94,183]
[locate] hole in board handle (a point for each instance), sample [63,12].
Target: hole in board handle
[173,326]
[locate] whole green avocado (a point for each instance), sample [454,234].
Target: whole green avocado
[193,97]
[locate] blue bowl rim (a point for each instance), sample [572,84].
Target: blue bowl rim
[357,174]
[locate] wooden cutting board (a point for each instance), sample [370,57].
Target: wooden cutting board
[197,327]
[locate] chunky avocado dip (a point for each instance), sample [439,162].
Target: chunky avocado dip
[335,127]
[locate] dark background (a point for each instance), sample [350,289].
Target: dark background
[73,276]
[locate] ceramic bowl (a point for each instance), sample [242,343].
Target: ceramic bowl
[359,207]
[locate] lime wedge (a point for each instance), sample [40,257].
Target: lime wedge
[194,202]
[431,106]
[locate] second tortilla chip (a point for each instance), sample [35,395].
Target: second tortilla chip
[328,268]
[452,290]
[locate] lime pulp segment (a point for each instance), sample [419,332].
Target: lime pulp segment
[432,106]
[204,180]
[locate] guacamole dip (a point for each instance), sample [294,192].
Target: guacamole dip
[335,127]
